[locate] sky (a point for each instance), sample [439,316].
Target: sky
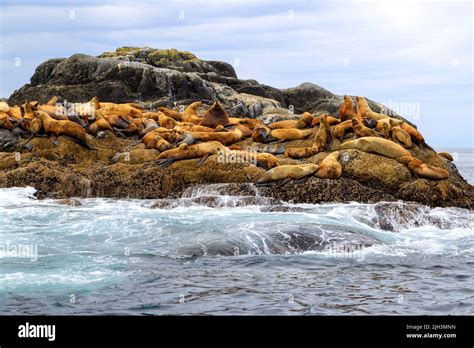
[416,57]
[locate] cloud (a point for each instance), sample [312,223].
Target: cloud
[405,51]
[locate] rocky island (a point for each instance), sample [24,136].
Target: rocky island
[141,108]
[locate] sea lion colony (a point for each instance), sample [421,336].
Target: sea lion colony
[189,135]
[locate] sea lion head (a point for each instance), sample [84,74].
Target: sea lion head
[307,118]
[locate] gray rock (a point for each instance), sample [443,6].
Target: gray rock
[8,140]
[169,78]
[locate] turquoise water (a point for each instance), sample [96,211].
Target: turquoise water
[214,254]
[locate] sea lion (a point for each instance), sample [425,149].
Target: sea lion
[362,131]
[323,138]
[117,120]
[262,134]
[149,125]
[122,109]
[226,138]
[301,152]
[347,111]
[260,159]
[418,168]
[401,137]
[4,107]
[330,168]
[151,138]
[5,122]
[330,120]
[100,124]
[288,172]
[376,145]
[288,134]
[342,129]
[446,155]
[364,110]
[415,135]
[28,121]
[165,121]
[52,101]
[215,116]
[176,115]
[383,126]
[191,127]
[184,151]
[190,113]
[15,112]
[250,123]
[304,122]
[66,128]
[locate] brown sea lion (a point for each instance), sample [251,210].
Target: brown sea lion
[155,116]
[260,159]
[100,124]
[28,121]
[250,123]
[347,111]
[151,138]
[364,110]
[323,138]
[15,112]
[66,128]
[362,131]
[376,145]
[149,125]
[191,127]
[288,172]
[190,113]
[117,120]
[383,126]
[176,115]
[262,134]
[304,122]
[4,107]
[183,151]
[301,152]
[226,138]
[289,134]
[122,109]
[418,168]
[166,122]
[414,134]
[446,155]
[52,101]
[215,116]
[330,120]
[330,168]
[5,122]
[342,129]
[400,136]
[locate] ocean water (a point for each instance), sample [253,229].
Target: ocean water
[209,253]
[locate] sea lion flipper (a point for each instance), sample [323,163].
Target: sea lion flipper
[202,160]
[165,162]
[282,182]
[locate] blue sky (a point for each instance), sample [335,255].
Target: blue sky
[414,56]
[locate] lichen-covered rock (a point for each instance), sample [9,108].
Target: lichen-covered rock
[69,170]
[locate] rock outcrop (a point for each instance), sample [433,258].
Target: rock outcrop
[165,78]
[172,78]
